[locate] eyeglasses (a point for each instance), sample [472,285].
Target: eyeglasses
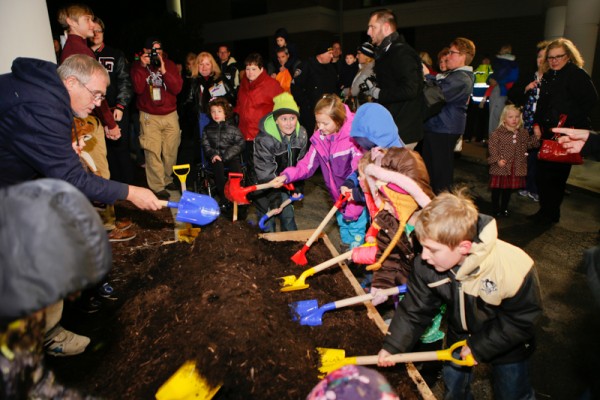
[97,96]
[555,58]
[98,31]
[454,52]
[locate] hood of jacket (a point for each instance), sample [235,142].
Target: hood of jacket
[268,125]
[494,269]
[42,74]
[375,123]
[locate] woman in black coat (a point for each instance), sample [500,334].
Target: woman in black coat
[565,89]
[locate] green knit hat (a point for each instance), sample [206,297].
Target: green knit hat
[285,104]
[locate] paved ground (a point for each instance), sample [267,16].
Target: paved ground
[567,335]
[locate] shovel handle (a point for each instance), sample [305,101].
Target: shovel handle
[330,214]
[342,257]
[440,355]
[350,301]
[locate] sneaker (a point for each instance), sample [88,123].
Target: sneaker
[534,196]
[107,291]
[118,235]
[123,224]
[173,186]
[524,193]
[163,195]
[60,342]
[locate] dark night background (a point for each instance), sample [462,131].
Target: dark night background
[130,22]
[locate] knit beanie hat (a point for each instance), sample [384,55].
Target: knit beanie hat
[353,382]
[285,104]
[367,49]
[322,47]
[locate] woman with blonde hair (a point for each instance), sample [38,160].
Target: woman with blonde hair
[566,89]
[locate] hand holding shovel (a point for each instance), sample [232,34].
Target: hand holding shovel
[308,312]
[332,359]
[276,211]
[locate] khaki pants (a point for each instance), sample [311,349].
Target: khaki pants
[159,137]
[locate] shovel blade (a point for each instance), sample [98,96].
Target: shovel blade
[186,384]
[300,257]
[197,209]
[301,309]
[332,359]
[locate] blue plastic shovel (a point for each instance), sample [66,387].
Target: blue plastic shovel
[272,212]
[194,208]
[308,312]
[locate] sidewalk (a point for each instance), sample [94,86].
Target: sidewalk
[585,176]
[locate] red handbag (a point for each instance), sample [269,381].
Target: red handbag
[552,151]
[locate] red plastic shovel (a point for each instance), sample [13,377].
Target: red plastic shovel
[300,256]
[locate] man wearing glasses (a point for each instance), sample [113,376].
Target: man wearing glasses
[443,130]
[156,81]
[37,106]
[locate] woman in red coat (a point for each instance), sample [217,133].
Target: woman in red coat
[255,100]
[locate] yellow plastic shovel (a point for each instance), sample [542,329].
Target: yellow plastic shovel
[186,384]
[182,172]
[332,359]
[290,283]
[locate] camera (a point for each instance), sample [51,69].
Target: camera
[154,58]
[368,84]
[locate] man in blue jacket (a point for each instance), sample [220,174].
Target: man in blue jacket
[37,106]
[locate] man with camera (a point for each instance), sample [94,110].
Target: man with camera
[156,81]
[399,86]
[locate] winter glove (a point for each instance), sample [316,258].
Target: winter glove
[365,254]
[378,297]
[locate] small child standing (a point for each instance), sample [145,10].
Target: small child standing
[223,144]
[491,291]
[508,158]
[333,150]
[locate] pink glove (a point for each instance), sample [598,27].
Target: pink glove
[378,297]
[365,254]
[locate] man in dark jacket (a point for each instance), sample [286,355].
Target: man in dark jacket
[37,106]
[118,97]
[315,77]
[399,86]
[229,66]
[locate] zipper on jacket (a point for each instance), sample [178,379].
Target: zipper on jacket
[461,306]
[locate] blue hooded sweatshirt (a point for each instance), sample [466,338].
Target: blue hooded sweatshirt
[373,126]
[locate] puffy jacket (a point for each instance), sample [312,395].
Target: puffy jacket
[337,155]
[222,139]
[506,71]
[493,301]
[255,100]
[274,152]
[35,132]
[457,86]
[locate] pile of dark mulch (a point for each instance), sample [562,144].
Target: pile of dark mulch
[216,302]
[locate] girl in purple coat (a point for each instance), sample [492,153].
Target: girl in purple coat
[333,150]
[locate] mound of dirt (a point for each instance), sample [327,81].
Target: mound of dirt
[216,302]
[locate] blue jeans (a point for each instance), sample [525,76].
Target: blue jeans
[510,381]
[286,218]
